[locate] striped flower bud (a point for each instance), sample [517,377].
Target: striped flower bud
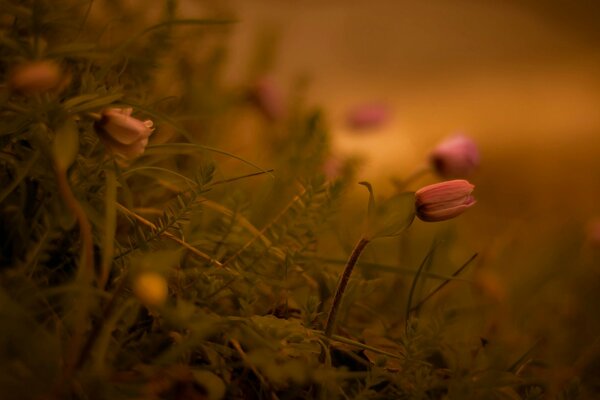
[123,134]
[455,157]
[37,77]
[444,200]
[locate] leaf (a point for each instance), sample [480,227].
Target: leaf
[413,286]
[191,148]
[98,102]
[66,144]
[393,216]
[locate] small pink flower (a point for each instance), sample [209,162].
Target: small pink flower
[37,76]
[444,200]
[122,133]
[455,157]
[268,98]
[367,116]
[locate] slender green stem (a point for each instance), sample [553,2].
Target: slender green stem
[339,293]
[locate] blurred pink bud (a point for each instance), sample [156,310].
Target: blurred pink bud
[122,133]
[455,157]
[593,232]
[37,76]
[444,200]
[332,168]
[269,99]
[368,116]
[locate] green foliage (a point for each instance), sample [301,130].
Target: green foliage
[244,245]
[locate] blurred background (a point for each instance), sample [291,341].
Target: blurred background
[521,78]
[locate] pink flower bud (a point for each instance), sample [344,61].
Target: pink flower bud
[455,157]
[444,200]
[268,98]
[37,76]
[368,116]
[123,134]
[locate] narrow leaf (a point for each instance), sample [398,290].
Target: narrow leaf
[66,144]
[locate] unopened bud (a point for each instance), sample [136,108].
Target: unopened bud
[368,116]
[268,98]
[122,133]
[37,77]
[444,200]
[455,157]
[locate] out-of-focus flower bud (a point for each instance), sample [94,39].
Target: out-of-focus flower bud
[593,232]
[150,288]
[268,98]
[37,77]
[367,116]
[444,200]
[455,157]
[332,168]
[122,133]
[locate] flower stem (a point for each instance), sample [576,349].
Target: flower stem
[339,293]
[84,275]
[85,229]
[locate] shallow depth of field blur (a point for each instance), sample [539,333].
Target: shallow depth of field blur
[522,80]
[519,78]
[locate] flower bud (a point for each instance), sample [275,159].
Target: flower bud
[455,157]
[37,76]
[122,133]
[151,289]
[367,116]
[444,200]
[268,98]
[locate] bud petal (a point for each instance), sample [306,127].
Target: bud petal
[455,157]
[122,133]
[445,200]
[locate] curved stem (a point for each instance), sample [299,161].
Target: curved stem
[339,293]
[85,229]
[85,274]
